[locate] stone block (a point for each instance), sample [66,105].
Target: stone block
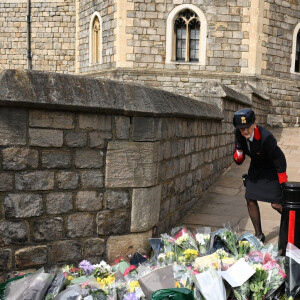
[124,245]
[45,137]
[146,129]
[130,164]
[66,251]
[13,233]
[116,199]
[94,249]
[52,119]
[76,139]
[80,225]
[5,259]
[59,203]
[23,205]
[91,179]
[122,127]
[113,222]
[67,180]
[33,181]
[13,124]
[88,159]
[6,182]
[19,158]
[49,229]
[145,208]
[89,201]
[95,122]
[31,256]
[98,139]
[56,159]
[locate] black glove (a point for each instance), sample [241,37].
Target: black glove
[238,139]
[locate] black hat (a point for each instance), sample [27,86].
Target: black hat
[243,118]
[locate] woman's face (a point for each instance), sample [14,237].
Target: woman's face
[247,132]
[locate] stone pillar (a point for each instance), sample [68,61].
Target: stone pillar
[121,37]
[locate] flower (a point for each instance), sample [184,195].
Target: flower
[203,242]
[131,296]
[190,255]
[102,270]
[243,248]
[106,281]
[128,270]
[258,282]
[86,267]
[221,253]
[132,285]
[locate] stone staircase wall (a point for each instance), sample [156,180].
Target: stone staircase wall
[90,169]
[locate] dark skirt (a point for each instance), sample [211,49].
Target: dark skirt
[263,185]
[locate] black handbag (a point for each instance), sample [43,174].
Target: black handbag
[245,176]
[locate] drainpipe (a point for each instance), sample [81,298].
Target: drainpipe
[28,21]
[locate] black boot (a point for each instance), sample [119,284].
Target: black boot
[261,237]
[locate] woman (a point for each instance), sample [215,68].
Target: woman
[267,170]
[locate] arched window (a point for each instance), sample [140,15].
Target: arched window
[95,47]
[297,55]
[295,68]
[186,35]
[187,30]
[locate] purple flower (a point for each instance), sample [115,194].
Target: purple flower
[131,296]
[86,266]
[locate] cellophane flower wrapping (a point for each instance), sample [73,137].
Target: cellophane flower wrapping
[169,248]
[184,240]
[242,292]
[230,239]
[276,274]
[203,239]
[210,284]
[258,282]
[31,287]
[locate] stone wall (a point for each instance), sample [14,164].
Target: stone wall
[90,169]
[279,24]
[53,34]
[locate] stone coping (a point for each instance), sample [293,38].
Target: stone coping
[72,92]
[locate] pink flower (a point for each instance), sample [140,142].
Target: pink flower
[118,260]
[128,270]
[283,275]
[85,284]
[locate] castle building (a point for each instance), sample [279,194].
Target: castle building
[177,45]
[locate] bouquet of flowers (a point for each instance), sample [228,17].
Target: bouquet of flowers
[230,239]
[184,240]
[203,239]
[243,248]
[242,292]
[258,282]
[276,276]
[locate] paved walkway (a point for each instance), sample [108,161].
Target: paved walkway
[224,202]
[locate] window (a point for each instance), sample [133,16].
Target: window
[95,47]
[186,35]
[297,56]
[187,30]
[295,67]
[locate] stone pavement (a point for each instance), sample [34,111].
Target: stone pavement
[224,202]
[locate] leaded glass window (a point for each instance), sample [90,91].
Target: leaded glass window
[187,31]
[297,58]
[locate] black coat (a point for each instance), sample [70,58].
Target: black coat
[267,165]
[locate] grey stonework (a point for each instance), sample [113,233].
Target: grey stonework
[23,205]
[95,184]
[58,203]
[19,158]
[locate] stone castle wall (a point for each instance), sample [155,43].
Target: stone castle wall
[53,35]
[93,171]
[247,41]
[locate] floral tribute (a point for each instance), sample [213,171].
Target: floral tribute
[190,265]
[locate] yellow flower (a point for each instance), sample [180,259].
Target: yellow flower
[177,285]
[133,285]
[70,277]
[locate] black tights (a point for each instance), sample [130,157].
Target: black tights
[254,214]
